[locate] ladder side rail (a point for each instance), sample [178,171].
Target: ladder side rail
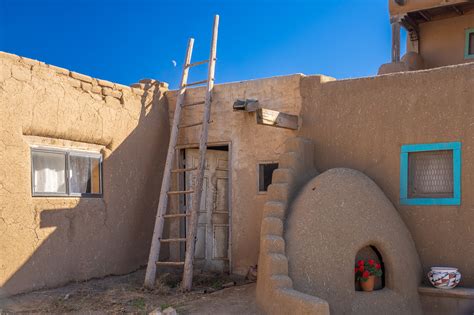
[186,284]
[166,182]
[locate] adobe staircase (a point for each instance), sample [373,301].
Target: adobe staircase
[275,293]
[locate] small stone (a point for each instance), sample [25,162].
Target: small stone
[156,311]
[138,91]
[147,81]
[169,311]
[30,62]
[21,73]
[96,89]
[59,69]
[74,82]
[105,83]
[80,76]
[9,56]
[110,92]
[86,86]
[122,87]
[138,85]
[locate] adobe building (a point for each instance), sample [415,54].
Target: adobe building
[439,33]
[376,167]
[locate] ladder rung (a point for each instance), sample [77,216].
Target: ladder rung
[190,125]
[177,192]
[193,104]
[197,63]
[177,215]
[182,170]
[196,83]
[170,263]
[169,240]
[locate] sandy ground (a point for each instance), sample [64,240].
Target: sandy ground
[125,294]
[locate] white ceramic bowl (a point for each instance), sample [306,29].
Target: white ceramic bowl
[444,277]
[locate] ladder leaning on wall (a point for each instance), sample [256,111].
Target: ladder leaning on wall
[165,192]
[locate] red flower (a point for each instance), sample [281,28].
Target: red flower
[371,262]
[377,266]
[361,268]
[365,274]
[360,263]
[356,269]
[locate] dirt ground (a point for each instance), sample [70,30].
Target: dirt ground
[125,294]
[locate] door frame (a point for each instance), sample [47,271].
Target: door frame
[180,148]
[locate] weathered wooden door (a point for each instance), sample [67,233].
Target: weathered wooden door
[212,243]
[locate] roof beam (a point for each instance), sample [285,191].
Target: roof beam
[425,15]
[457,10]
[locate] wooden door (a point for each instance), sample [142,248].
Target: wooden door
[212,243]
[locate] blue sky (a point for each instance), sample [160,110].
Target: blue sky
[125,40]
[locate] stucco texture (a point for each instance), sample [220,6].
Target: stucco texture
[362,123]
[442,42]
[334,216]
[50,241]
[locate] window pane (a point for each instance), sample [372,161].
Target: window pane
[95,164]
[471,43]
[49,172]
[430,174]
[79,175]
[265,175]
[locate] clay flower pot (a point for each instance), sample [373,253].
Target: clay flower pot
[368,286]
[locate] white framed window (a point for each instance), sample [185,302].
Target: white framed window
[57,172]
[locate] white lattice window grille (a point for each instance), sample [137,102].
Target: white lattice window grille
[430,174]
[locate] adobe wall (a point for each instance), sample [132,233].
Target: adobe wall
[362,123]
[249,144]
[442,42]
[50,241]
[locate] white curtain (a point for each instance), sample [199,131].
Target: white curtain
[80,174]
[49,172]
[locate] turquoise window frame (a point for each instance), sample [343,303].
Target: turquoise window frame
[467,55]
[409,148]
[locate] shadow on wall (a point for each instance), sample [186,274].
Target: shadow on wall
[109,235]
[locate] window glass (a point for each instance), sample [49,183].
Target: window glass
[95,181]
[49,172]
[79,175]
[265,175]
[471,43]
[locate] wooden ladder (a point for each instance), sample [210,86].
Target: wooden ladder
[165,192]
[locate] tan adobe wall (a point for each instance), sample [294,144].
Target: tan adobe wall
[442,42]
[249,144]
[50,241]
[362,123]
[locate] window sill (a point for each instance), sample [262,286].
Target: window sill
[431,202]
[69,196]
[458,292]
